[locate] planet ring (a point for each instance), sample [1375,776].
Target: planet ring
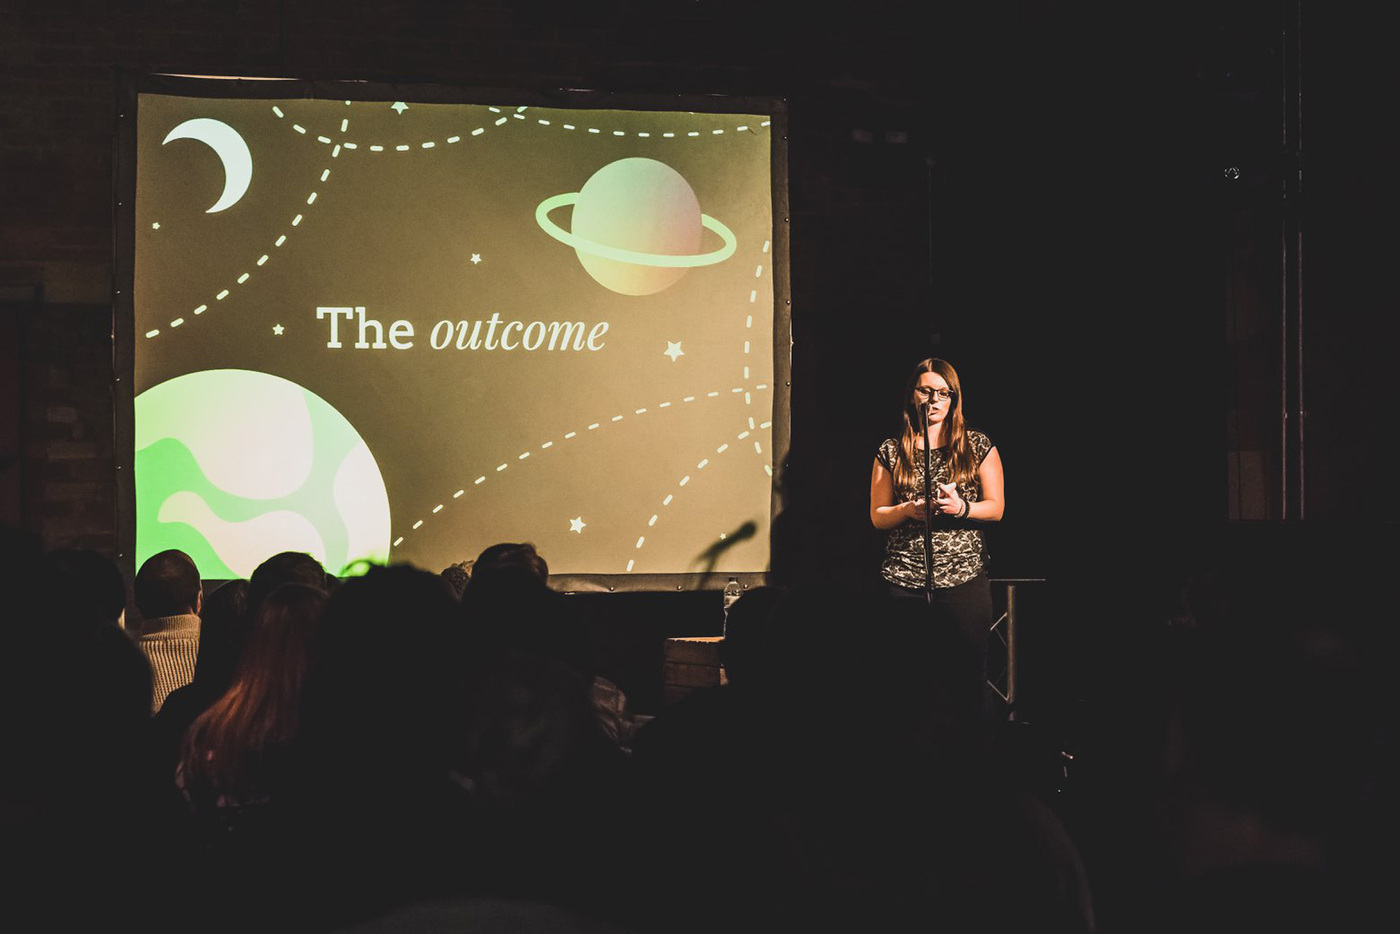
[629,256]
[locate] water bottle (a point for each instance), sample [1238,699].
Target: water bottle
[732,592]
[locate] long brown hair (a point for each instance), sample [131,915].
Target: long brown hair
[961,466]
[259,710]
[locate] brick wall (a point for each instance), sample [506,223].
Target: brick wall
[68,417]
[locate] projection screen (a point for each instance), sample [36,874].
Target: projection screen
[404,328]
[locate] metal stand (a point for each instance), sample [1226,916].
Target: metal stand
[1004,631]
[928,513]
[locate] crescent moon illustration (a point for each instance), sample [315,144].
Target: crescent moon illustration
[231,150]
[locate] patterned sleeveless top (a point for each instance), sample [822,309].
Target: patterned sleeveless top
[959,552]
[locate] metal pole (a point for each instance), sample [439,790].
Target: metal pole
[1011,649]
[1294,409]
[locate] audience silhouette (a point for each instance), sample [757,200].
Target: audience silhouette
[223,627]
[234,756]
[169,595]
[391,753]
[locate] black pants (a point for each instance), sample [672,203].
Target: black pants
[966,610]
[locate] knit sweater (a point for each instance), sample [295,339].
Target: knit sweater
[172,644]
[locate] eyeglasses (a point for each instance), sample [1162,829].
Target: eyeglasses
[924,392]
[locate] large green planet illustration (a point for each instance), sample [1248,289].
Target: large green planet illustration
[233,466]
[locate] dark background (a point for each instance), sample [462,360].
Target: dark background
[1037,191]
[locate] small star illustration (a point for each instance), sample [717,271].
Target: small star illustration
[156,226]
[398,106]
[278,329]
[476,258]
[576,525]
[673,350]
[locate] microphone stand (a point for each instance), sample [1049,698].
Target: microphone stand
[928,509]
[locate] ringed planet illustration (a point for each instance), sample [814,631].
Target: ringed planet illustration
[636,226]
[231,150]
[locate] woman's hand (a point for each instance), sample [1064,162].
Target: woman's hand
[886,511]
[947,500]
